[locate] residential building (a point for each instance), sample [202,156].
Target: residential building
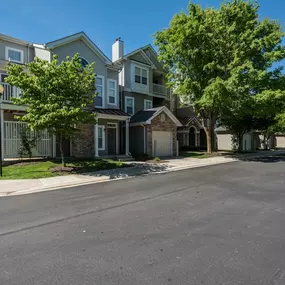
[145,96]
[105,137]
[18,52]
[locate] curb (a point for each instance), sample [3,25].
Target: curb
[178,168]
[39,190]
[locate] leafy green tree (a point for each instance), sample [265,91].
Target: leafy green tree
[57,95]
[217,56]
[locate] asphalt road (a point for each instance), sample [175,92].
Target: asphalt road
[223,224]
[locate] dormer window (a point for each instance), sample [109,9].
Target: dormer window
[14,55]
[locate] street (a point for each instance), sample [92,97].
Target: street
[223,224]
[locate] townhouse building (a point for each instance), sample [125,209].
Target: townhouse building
[133,104]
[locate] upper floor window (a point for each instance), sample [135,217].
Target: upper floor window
[100,91]
[147,104]
[14,55]
[130,105]
[141,75]
[112,92]
[83,61]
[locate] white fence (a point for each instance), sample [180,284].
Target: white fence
[12,141]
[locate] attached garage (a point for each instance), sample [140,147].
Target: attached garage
[157,128]
[280,141]
[224,141]
[162,143]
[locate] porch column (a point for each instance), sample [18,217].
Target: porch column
[96,141]
[127,137]
[2,133]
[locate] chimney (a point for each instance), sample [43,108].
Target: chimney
[117,49]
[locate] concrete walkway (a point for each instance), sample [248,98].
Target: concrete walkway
[19,187]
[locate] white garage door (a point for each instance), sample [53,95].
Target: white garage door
[161,142]
[225,142]
[280,141]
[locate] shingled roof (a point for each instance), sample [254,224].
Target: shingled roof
[142,116]
[114,112]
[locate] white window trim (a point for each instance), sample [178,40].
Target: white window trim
[141,68]
[103,91]
[133,100]
[14,49]
[115,81]
[103,137]
[147,101]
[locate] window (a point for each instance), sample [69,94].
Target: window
[130,105]
[83,61]
[112,92]
[101,137]
[147,104]
[14,55]
[141,75]
[137,75]
[100,91]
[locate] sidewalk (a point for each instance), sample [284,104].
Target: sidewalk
[19,187]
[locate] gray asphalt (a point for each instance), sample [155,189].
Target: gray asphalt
[223,224]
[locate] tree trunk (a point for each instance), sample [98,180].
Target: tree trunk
[239,137]
[209,140]
[61,151]
[209,130]
[265,142]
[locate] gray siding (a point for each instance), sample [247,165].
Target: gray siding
[27,56]
[139,100]
[78,46]
[137,140]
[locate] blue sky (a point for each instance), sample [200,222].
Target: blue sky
[103,21]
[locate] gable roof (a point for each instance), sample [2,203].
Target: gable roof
[186,121]
[142,116]
[142,50]
[146,116]
[85,39]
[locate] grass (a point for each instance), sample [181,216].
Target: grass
[43,169]
[197,154]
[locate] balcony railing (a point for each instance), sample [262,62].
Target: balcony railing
[161,90]
[9,92]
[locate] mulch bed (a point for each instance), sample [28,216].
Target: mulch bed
[63,169]
[157,161]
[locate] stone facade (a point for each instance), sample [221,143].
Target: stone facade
[83,143]
[159,125]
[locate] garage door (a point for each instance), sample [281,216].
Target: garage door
[225,141]
[161,142]
[280,141]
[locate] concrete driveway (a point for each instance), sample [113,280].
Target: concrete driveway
[221,224]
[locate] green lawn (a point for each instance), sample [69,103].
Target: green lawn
[196,154]
[42,169]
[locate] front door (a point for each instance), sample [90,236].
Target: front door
[112,138]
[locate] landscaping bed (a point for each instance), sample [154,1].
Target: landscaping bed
[51,168]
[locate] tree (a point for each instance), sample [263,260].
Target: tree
[239,119]
[57,95]
[217,56]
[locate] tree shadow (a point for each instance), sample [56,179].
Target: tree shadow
[131,171]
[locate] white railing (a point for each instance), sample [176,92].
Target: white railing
[161,90]
[9,92]
[13,141]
